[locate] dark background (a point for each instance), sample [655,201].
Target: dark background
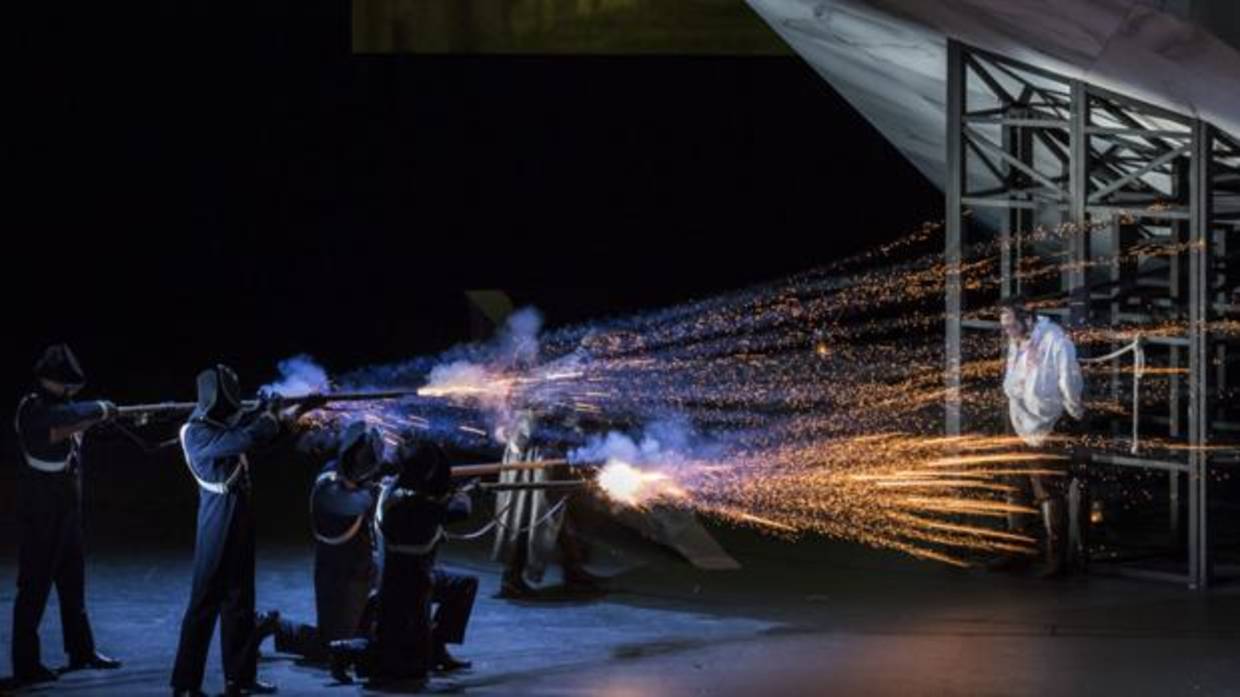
[192,182]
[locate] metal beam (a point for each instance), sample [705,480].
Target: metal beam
[954,245]
[1078,188]
[1101,149]
[1199,353]
[1022,122]
[987,78]
[981,141]
[1139,172]
[991,202]
[991,166]
[1139,132]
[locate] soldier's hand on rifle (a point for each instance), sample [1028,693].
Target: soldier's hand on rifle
[469,486]
[270,403]
[265,394]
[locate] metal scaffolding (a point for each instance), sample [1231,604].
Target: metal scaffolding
[1117,214]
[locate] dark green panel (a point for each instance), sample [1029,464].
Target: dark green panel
[561,26]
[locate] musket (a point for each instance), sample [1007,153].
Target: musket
[569,485]
[182,407]
[489,468]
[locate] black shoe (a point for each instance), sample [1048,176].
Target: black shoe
[94,661]
[1055,520]
[349,649]
[446,662]
[188,693]
[34,676]
[266,623]
[345,653]
[257,687]
[340,668]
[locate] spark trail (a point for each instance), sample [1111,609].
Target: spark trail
[821,395]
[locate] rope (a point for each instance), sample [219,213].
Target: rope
[482,530]
[141,442]
[1138,370]
[496,523]
[485,529]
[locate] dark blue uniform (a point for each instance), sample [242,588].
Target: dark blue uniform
[223,582]
[344,567]
[407,635]
[50,529]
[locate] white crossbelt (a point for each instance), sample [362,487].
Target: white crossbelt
[214,487]
[48,466]
[347,534]
[417,550]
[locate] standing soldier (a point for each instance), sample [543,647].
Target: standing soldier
[50,529]
[215,442]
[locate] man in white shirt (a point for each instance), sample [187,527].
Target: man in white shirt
[1042,381]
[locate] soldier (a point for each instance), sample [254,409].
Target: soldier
[409,640]
[342,506]
[215,442]
[50,427]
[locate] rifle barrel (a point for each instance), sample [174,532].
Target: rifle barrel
[353,396]
[488,468]
[534,486]
[167,407]
[155,408]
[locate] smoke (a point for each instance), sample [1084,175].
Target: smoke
[516,343]
[653,467]
[662,444]
[457,373]
[406,374]
[464,392]
[300,375]
[480,375]
[465,379]
[487,375]
[518,340]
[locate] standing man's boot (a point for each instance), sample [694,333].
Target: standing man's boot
[254,687]
[34,676]
[445,662]
[1078,527]
[93,661]
[346,653]
[1017,523]
[1055,523]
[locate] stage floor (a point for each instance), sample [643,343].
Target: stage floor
[798,619]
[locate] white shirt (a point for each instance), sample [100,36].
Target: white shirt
[1043,379]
